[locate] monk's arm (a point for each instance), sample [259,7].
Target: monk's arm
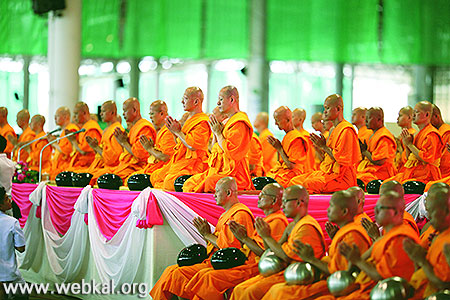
[77,146]
[375,162]
[410,148]
[182,137]
[158,154]
[253,246]
[285,158]
[429,272]
[276,248]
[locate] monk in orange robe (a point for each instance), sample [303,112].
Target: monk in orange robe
[295,152]
[108,149]
[298,118]
[211,284]
[386,257]
[318,125]
[162,148]
[423,151]
[427,235]
[6,131]
[444,130]
[304,228]
[269,153]
[379,153]
[174,279]
[23,120]
[83,155]
[404,120]
[133,156]
[62,150]
[338,169]
[37,125]
[434,272]
[255,157]
[342,210]
[359,120]
[191,151]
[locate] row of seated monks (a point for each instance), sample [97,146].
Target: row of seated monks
[208,148]
[357,246]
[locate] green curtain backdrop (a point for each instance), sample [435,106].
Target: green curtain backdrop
[413,31]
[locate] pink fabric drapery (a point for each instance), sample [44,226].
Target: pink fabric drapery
[20,194]
[60,202]
[154,216]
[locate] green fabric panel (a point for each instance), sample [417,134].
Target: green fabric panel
[100,28]
[226,29]
[21,32]
[322,30]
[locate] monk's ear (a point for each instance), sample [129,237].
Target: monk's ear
[228,193]
[345,211]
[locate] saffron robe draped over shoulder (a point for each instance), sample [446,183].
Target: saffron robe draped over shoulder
[339,174]
[364,134]
[27,136]
[228,160]
[5,131]
[436,257]
[210,284]
[381,145]
[269,152]
[174,278]
[255,157]
[35,152]
[184,161]
[60,161]
[444,130]
[389,258]
[80,161]
[352,234]
[400,158]
[297,147]
[429,143]
[308,231]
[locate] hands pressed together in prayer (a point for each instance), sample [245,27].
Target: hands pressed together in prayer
[146,142]
[274,142]
[351,253]
[331,229]
[318,140]
[121,136]
[363,146]
[303,250]
[71,137]
[92,142]
[238,230]
[216,126]
[371,228]
[202,226]
[415,252]
[262,227]
[173,125]
[406,137]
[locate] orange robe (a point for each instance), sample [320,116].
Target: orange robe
[129,163]
[382,146]
[400,158]
[389,258]
[306,230]
[339,174]
[364,134]
[35,152]
[60,160]
[27,136]
[299,151]
[210,284]
[174,278]
[425,237]
[269,152]
[185,161]
[352,234]
[436,258]
[429,142]
[165,143]
[255,157]
[80,161]
[111,150]
[311,156]
[5,131]
[228,160]
[444,130]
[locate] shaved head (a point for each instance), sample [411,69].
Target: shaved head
[62,116]
[131,111]
[359,116]
[394,199]
[158,106]
[110,105]
[24,115]
[230,91]
[335,100]
[407,110]
[283,111]
[194,91]
[360,110]
[81,113]
[37,123]
[297,192]
[360,197]
[438,206]
[40,119]
[82,107]
[317,117]
[436,117]
[425,106]
[63,111]
[422,114]
[392,185]
[346,199]
[261,121]
[376,112]
[283,118]
[3,111]
[375,118]
[274,189]
[228,183]
[270,198]
[298,117]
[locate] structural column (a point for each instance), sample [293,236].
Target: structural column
[64,55]
[134,77]
[258,67]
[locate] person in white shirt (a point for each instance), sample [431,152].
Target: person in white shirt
[7,168]
[11,239]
